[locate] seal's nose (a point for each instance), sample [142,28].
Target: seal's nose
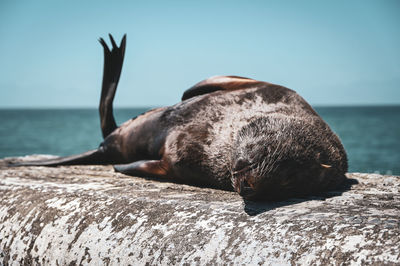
[240,164]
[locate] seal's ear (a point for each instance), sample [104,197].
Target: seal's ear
[228,83]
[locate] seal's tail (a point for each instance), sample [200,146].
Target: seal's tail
[112,70]
[89,157]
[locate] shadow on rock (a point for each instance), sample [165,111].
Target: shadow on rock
[253,208]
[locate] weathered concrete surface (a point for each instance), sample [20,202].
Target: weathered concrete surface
[92,215]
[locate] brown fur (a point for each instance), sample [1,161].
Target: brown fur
[260,139]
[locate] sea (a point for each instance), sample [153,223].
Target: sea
[370,134]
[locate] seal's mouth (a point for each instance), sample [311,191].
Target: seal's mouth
[245,189]
[244,182]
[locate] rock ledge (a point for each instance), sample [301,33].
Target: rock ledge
[92,215]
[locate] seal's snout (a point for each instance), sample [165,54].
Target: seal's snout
[245,188]
[242,177]
[243,185]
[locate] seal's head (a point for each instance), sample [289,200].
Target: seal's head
[280,156]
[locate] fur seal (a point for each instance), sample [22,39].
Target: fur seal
[260,139]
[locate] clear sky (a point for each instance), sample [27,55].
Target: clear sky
[330,52]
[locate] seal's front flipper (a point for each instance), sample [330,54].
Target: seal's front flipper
[227,83]
[89,157]
[112,70]
[149,168]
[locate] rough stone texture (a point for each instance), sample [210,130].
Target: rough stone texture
[92,215]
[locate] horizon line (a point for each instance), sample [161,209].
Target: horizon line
[151,107]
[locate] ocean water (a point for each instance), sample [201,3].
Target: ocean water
[371,135]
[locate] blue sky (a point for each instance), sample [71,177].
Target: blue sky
[331,53]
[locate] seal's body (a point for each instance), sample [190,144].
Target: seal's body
[261,139]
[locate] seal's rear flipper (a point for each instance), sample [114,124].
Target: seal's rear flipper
[89,157]
[112,70]
[218,83]
[149,168]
